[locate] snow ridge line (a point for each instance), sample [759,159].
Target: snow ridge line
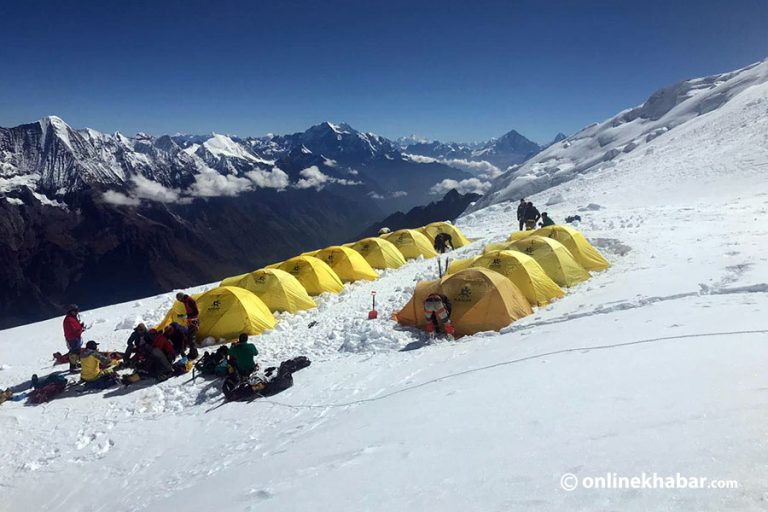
[510,362]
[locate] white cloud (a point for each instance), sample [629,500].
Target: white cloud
[399,193]
[419,159]
[473,185]
[210,183]
[481,168]
[276,178]
[330,162]
[119,198]
[147,189]
[374,195]
[312,177]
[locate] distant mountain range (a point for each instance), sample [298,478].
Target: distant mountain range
[510,149]
[448,208]
[99,218]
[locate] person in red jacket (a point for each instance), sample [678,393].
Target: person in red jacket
[73,335]
[192,315]
[159,356]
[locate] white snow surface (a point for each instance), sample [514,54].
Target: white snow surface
[489,422]
[221,145]
[736,98]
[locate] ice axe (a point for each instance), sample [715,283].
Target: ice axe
[373,314]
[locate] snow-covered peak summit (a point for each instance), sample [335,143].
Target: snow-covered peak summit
[224,146]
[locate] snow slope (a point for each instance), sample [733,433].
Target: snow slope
[655,365]
[601,146]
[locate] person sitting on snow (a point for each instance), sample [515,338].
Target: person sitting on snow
[96,367]
[73,335]
[546,220]
[437,310]
[178,335]
[242,356]
[138,338]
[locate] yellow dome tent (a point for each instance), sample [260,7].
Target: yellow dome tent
[225,313]
[314,275]
[348,264]
[537,287]
[481,300]
[553,257]
[411,243]
[379,253]
[457,237]
[583,252]
[278,289]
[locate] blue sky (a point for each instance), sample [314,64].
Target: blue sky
[442,69]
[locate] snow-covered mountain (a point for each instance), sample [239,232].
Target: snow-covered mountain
[509,149]
[82,204]
[603,146]
[653,369]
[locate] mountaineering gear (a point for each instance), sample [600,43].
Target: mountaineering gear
[214,363]
[226,312]
[272,382]
[443,243]
[573,218]
[47,388]
[241,356]
[278,289]
[437,311]
[373,314]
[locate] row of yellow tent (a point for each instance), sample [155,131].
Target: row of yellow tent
[245,303]
[498,287]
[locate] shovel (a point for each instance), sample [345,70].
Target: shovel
[373,314]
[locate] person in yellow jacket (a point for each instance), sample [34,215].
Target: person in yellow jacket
[95,367]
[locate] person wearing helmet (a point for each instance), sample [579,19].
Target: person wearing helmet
[192,315]
[384,231]
[73,335]
[96,368]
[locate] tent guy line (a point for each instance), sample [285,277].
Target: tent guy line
[507,363]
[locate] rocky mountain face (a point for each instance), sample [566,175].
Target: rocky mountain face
[510,149]
[95,218]
[447,208]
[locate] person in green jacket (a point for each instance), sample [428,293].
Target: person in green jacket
[546,220]
[242,354]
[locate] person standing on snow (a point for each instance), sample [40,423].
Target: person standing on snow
[531,216]
[546,220]
[73,335]
[521,212]
[192,315]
